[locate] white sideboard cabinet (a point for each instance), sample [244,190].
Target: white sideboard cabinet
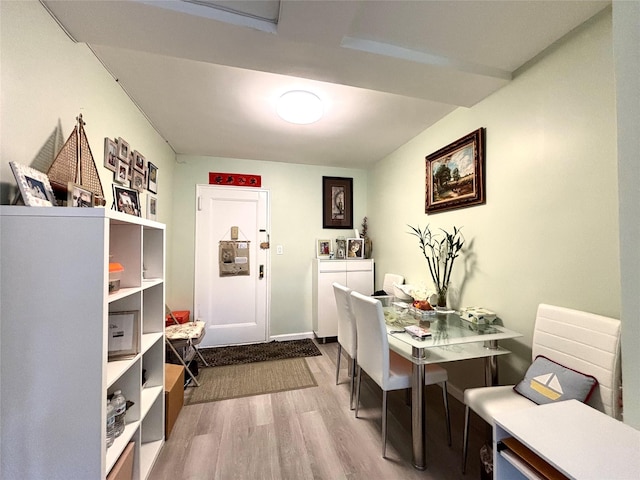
[54,313]
[355,274]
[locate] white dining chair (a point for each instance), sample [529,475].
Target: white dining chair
[347,337]
[391,279]
[582,341]
[388,369]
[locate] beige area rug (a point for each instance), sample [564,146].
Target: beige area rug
[234,381]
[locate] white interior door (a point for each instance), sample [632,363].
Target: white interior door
[235,308]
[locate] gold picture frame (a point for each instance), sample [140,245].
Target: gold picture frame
[455,174]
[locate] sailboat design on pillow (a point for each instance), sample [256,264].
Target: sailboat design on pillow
[547,385]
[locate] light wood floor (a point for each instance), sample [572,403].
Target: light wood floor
[312,434]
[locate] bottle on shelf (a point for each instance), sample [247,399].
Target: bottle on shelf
[111,423]
[120,408]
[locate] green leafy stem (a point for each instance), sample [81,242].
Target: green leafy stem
[440,250]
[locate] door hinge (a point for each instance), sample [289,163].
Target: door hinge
[199,203]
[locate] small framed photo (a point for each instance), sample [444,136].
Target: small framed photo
[323,249]
[152,207]
[138,161]
[34,186]
[152,185]
[77,196]
[137,181]
[121,175]
[131,166]
[123,150]
[123,334]
[110,154]
[355,248]
[126,200]
[341,248]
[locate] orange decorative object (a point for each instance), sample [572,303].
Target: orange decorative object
[182,316]
[115,267]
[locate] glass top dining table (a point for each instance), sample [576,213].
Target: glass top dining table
[451,338]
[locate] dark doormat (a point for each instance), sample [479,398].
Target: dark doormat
[259,352]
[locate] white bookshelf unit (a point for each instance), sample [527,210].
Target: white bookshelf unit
[54,367]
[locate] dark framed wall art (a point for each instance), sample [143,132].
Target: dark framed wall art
[337,202]
[455,174]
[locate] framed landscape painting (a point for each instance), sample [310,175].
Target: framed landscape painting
[455,174]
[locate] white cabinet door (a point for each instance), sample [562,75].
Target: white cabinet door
[360,276]
[355,274]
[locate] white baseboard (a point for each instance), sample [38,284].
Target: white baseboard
[291,336]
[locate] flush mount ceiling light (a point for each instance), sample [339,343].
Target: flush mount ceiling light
[301,107]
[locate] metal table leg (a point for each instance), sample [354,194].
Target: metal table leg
[417,410]
[490,379]
[491,365]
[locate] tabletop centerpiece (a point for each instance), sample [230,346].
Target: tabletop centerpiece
[440,250]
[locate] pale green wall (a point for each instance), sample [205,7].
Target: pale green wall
[549,230]
[47,80]
[296,223]
[626,38]
[548,233]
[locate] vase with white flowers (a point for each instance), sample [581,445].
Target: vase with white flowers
[440,251]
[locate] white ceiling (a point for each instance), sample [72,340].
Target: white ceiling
[208,79]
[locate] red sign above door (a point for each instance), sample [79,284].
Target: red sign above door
[235,179]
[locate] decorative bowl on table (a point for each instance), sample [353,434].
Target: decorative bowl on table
[401,292]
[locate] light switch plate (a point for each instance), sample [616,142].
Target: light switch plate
[279,249]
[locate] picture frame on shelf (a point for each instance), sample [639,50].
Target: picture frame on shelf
[337,202]
[355,248]
[152,207]
[121,175]
[126,200]
[123,150]
[110,154]
[34,186]
[137,181]
[123,336]
[77,196]
[323,248]
[131,166]
[455,174]
[341,248]
[152,176]
[139,162]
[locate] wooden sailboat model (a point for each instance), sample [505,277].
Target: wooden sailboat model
[74,163]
